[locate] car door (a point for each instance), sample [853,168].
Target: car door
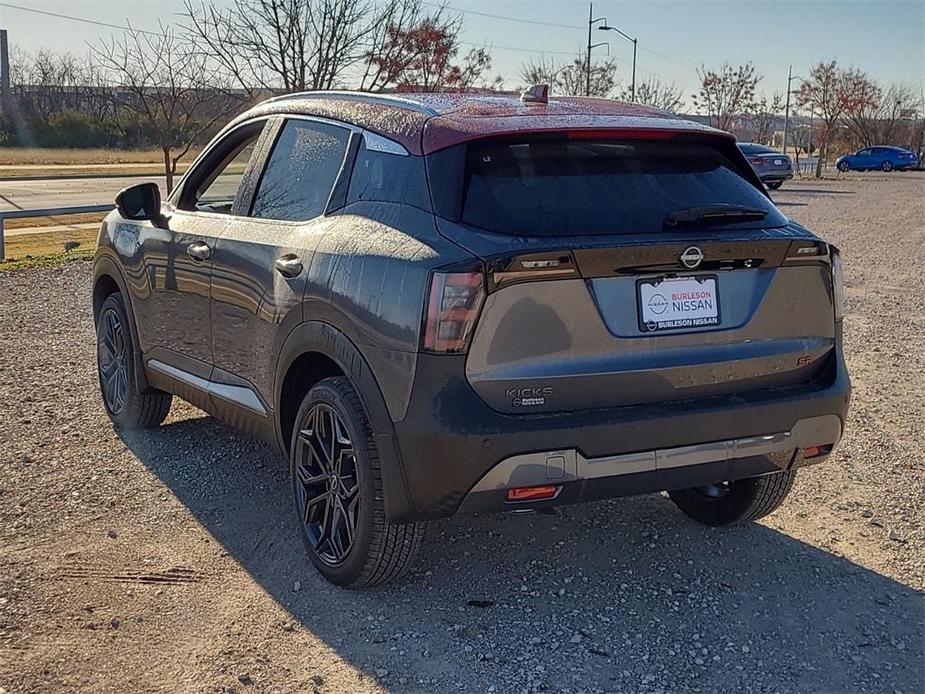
[178,264]
[260,263]
[173,316]
[863,159]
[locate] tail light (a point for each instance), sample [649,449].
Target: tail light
[452,308]
[547,491]
[816,451]
[757,162]
[838,283]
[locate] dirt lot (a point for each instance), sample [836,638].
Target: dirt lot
[168,561]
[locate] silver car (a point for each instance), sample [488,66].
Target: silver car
[772,167]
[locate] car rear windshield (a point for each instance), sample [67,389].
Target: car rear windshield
[748,148]
[565,186]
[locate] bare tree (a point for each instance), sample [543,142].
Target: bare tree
[653,92]
[571,78]
[540,71]
[727,93]
[163,81]
[289,45]
[878,118]
[831,92]
[764,114]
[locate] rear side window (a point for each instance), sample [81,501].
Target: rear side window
[561,186]
[301,171]
[388,177]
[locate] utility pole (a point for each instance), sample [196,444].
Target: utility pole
[4,70]
[787,107]
[588,66]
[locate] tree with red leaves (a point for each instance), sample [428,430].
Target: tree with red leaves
[831,92]
[423,58]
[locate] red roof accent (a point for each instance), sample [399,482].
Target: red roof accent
[425,123]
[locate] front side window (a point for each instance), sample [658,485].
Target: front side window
[301,171]
[217,180]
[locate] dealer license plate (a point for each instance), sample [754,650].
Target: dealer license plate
[678,303]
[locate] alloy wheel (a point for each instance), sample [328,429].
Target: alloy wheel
[112,353]
[327,484]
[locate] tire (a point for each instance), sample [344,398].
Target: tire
[337,477]
[115,367]
[844,166]
[774,185]
[730,503]
[886,166]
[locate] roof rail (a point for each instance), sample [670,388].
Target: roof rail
[383,99]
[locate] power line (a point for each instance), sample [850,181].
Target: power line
[668,57]
[77,19]
[521,20]
[495,46]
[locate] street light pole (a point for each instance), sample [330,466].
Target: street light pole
[633,86]
[606,27]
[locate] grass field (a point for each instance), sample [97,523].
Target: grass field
[58,220]
[21,156]
[47,248]
[20,161]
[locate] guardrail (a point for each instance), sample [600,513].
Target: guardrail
[46,212]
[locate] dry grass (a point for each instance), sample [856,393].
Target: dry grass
[23,156]
[38,250]
[30,222]
[20,161]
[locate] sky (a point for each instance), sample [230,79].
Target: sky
[886,38]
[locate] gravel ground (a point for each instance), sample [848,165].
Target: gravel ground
[168,560]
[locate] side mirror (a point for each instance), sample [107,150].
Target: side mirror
[141,202]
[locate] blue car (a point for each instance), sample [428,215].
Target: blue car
[881,157]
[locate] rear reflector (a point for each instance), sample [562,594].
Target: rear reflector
[816,451]
[452,308]
[532,493]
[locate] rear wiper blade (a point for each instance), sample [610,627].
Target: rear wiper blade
[719,213]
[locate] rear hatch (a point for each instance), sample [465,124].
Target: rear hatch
[627,268]
[769,163]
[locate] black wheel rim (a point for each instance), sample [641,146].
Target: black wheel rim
[112,353]
[326,484]
[714,492]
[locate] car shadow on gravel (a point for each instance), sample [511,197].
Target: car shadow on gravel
[618,595]
[798,190]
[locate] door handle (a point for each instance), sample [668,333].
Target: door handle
[289,265]
[199,251]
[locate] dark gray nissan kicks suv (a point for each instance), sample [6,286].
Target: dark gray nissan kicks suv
[442,303]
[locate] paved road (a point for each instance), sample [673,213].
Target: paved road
[64,192]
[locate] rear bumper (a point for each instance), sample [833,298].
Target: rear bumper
[576,478]
[777,176]
[450,440]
